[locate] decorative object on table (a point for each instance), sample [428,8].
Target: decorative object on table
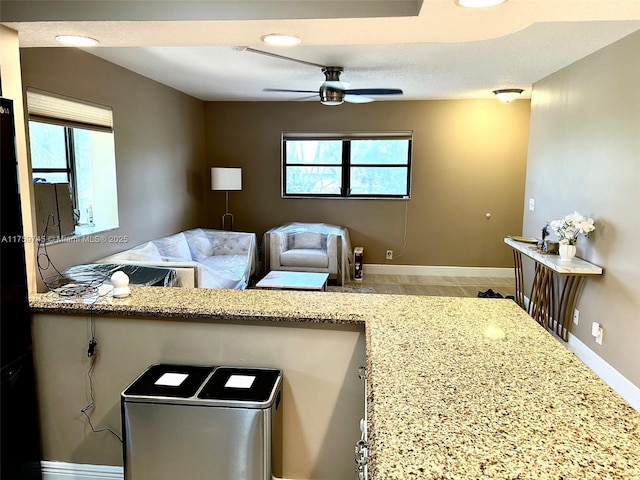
[518,238]
[568,228]
[544,234]
[551,247]
[542,244]
[226,179]
[120,282]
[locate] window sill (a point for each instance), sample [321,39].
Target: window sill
[89,234]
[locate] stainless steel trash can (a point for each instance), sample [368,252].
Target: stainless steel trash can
[200,422]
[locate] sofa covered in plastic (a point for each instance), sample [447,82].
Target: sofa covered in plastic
[309,247]
[202,258]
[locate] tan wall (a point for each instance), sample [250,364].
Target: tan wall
[469,159]
[159,142]
[323,399]
[584,155]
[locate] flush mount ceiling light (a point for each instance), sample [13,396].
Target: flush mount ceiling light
[508,94]
[479,3]
[77,40]
[280,39]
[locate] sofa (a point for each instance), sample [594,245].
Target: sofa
[309,247]
[202,258]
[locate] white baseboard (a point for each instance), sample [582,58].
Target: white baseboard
[440,271]
[79,471]
[606,372]
[599,366]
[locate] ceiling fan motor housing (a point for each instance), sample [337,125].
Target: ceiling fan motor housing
[329,95]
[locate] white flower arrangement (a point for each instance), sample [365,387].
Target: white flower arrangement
[570,227]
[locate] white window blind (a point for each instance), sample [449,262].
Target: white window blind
[52,108]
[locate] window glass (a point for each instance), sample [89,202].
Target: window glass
[314,151]
[379,152]
[313,180]
[84,178]
[378,181]
[48,146]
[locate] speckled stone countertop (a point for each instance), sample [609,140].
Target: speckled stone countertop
[458,388]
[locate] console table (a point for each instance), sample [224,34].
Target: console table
[542,301]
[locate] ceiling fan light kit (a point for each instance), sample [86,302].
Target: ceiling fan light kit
[280,39]
[508,94]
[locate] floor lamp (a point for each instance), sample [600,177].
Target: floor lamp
[226,179]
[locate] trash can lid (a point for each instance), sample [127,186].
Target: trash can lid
[168,380]
[242,385]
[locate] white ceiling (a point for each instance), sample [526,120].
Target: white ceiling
[431,49]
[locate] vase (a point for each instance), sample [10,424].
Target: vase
[567,252]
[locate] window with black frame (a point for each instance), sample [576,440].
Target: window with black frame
[354,165]
[72,142]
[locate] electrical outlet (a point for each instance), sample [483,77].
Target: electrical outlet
[576,316]
[599,336]
[597,332]
[389,255]
[532,204]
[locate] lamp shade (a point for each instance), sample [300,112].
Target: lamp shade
[226,178]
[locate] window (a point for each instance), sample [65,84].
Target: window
[72,142]
[355,165]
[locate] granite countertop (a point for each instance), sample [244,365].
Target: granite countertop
[457,388]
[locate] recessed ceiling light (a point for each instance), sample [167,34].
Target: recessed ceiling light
[77,40]
[508,94]
[280,39]
[479,3]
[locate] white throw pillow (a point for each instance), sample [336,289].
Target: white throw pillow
[174,247]
[200,246]
[307,240]
[147,251]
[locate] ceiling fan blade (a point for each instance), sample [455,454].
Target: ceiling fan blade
[357,99]
[374,91]
[288,91]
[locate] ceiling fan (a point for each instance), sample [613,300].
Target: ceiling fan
[332,91]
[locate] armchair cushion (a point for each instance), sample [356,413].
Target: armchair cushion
[305,257]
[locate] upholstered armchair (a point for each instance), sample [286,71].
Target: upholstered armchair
[303,248]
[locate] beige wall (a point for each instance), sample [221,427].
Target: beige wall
[469,159]
[159,142]
[323,398]
[584,155]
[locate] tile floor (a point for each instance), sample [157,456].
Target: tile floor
[435,285]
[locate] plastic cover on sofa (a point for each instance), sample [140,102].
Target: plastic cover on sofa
[144,275]
[222,259]
[304,237]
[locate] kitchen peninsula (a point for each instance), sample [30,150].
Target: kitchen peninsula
[457,388]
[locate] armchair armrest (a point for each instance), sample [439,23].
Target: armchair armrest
[276,244]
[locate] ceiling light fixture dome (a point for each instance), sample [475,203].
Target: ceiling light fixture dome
[280,39]
[508,94]
[479,3]
[77,40]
